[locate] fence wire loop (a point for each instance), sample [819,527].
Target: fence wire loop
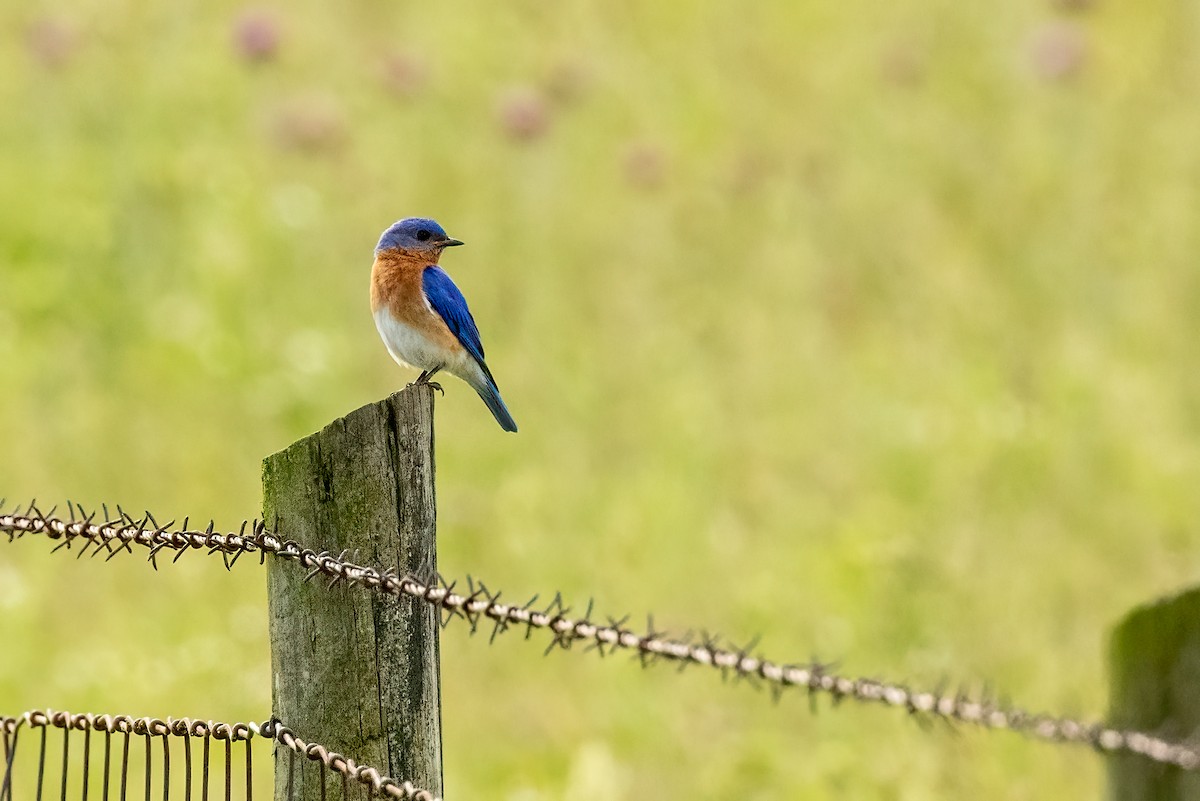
[479,605]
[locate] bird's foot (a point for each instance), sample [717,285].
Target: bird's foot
[423,380]
[430,384]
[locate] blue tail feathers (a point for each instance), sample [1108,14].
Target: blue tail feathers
[491,396]
[485,385]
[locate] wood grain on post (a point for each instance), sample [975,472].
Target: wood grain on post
[352,669]
[1155,664]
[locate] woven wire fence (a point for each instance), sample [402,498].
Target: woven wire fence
[105,534]
[108,764]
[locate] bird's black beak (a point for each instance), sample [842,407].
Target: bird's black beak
[449,243]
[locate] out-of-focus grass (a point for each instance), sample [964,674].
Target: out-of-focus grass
[868,328]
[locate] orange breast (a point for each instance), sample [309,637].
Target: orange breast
[396,283]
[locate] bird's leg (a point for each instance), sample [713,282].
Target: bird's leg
[424,377]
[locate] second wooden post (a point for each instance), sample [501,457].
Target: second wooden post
[352,669]
[1156,688]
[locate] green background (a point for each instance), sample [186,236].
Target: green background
[870,328]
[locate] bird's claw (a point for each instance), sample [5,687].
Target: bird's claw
[423,381]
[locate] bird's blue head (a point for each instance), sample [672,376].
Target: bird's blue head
[417,235]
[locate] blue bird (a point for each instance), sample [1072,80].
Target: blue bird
[423,317]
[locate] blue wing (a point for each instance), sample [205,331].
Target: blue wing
[449,303]
[451,306]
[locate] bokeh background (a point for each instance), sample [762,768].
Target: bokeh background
[867,327]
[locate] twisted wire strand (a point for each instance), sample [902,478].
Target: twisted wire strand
[229,732]
[478,604]
[363,774]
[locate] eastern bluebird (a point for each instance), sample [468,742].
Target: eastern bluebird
[423,317]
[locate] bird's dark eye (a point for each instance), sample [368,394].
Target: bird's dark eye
[423,235]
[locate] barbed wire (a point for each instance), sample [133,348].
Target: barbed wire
[113,535]
[186,728]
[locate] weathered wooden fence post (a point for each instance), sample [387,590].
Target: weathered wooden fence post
[1155,665]
[351,669]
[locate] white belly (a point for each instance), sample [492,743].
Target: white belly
[407,345]
[411,348]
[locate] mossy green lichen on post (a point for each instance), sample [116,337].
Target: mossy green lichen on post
[353,670]
[1155,664]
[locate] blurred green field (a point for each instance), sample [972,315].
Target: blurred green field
[869,328]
